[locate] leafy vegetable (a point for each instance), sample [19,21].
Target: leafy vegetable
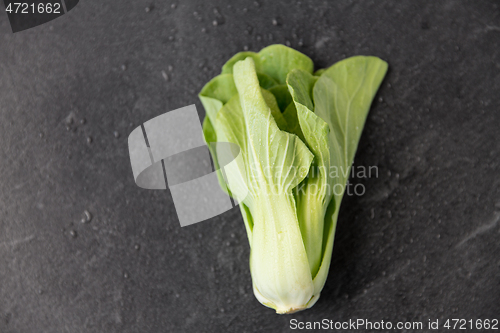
[292,126]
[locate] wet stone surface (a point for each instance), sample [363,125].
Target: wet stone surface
[420,244]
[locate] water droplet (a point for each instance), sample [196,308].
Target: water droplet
[245,48]
[116,134]
[380,99]
[173,6]
[73,233]
[83,121]
[215,23]
[222,310]
[170,68]
[165,75]
[177,295]
[137,247]
[123,67]
[256,4]
[147,9]
[287,43]
[275,21]
[40,291]
[300,42]
[170,38]
[87,217]
[245,10]
[203,30]
[258,37]
[125,275]
[89,139]
[232,235]
[40,135]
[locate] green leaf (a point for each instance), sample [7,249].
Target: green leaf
[209,132]
[216,93]
[292,121]
[228,66]
[248,220]
[315,194]
[213,96]
[231,127]
[300,84]
[278,60]
[319,72]
[342,98]
[210,139]
[266,81]
[331,217]
[282,95]
[275,110]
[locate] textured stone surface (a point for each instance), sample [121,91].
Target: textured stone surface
[421,244]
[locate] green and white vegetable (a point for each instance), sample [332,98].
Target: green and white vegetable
[292,126]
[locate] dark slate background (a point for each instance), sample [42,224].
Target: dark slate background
[421,244]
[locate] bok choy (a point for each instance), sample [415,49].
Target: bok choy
[292,126]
